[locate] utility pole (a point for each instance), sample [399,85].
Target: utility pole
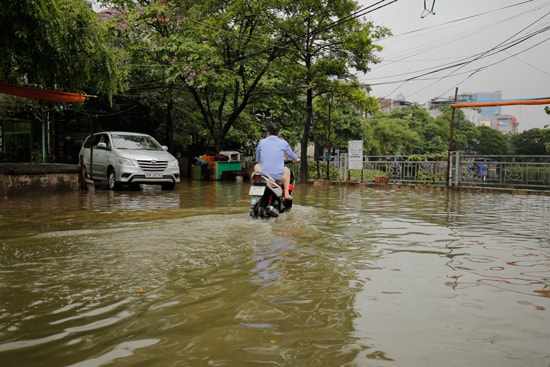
[451,133]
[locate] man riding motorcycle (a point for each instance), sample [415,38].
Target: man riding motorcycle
[271,154]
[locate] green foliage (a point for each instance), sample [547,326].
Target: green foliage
[327,46]
[390,136]
[209,75]
[416,158]
[531,142]
[56,44]
[318,171]
[233,61]
[464,131]
[434,134]
[217,55]
[338,115]
[492,142]
[546,135]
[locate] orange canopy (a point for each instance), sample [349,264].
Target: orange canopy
[47,95]
[510,102]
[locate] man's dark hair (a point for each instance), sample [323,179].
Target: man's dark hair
[274,128]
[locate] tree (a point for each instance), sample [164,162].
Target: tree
[338,114]
[338,117]
[492,142]
[214,54]
[56,44]
[546,136]
[390,136]
[434,134]
[327,38]
[153,103]
[465,133]
[245,57]
[531,142]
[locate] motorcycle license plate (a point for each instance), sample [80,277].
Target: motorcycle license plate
[256,190]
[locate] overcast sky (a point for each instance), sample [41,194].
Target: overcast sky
[503,45]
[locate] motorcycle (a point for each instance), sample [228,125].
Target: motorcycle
[266,195]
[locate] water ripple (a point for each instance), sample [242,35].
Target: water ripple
[351,276]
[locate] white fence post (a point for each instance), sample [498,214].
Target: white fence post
[342,167]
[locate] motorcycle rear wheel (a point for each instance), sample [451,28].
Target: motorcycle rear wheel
[254,210]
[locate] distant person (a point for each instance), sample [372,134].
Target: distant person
[483,170]
[271,154]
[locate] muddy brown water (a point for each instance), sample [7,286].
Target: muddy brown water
[352,276]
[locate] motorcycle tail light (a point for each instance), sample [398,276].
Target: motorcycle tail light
[257,179]
[291,187]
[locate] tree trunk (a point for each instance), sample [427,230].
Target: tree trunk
[170,125]
[305,138]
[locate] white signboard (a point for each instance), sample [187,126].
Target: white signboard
[355,154]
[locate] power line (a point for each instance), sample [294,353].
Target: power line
[445,41]
[454,67]
[467,61]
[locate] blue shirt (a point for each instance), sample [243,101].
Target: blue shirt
[270,153]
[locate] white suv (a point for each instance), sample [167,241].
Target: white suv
[128,158]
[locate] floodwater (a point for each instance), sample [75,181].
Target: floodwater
[352,276]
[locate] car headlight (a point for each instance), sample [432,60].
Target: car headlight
[173,163]
[125,161]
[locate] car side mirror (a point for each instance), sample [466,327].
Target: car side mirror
[164,147]
[102,145]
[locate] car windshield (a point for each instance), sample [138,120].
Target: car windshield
[136,142]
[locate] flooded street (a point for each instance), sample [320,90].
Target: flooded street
[352,276]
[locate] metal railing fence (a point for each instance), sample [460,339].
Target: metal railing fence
[516,172]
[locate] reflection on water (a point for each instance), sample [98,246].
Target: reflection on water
[352,276]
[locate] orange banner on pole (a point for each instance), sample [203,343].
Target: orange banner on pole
[43,94]
[510,102]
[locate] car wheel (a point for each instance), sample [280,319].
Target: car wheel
[168,186]
[111,180]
